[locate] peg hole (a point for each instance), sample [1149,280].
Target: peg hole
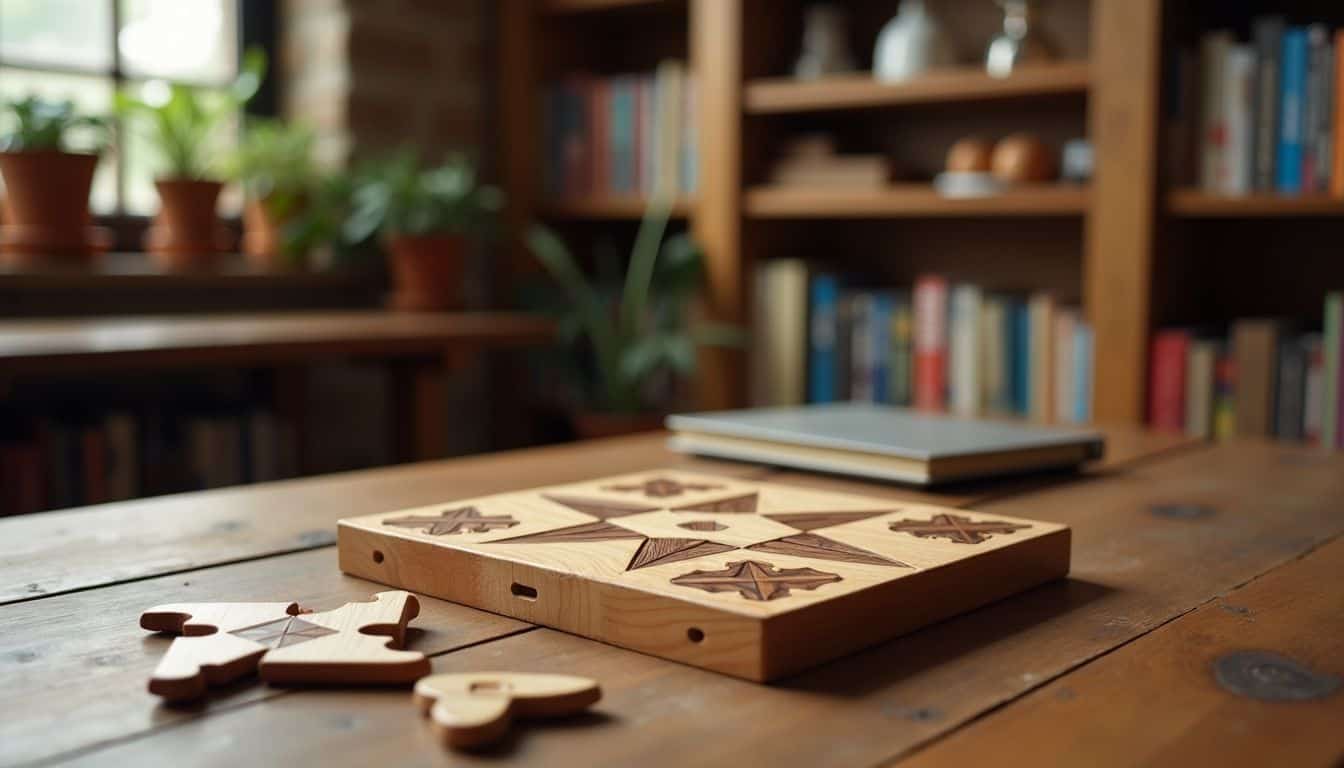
[523,591]
[377,556]
[695,634]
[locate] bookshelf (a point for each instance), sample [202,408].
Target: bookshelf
[607,208]
[1197,204]
[779,95]
[1094,243]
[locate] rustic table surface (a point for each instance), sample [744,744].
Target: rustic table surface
[1203,622]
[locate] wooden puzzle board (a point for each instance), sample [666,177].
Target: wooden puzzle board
[757,580]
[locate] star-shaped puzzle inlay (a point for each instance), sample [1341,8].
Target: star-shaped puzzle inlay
[656,549]
[661,487]
[464,520]
[282,633]
[756,580]
[962,530]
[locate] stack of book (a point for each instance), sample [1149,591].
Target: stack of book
[1269,110]
[619,136]
[78,459]
[939,347]
[1259,380]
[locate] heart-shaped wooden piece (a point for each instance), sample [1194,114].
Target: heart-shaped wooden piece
[471,710]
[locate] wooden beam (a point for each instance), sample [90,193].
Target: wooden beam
[716,64]
[1117,265]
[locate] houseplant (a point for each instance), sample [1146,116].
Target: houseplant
[636,331]
[46,205]
[274,164]
[186,124]
[425,218]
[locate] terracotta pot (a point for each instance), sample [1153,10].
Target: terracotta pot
[186,233]
[46,207]
[263,235]
[589,425]
[426,272]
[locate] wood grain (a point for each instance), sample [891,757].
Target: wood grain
[1118,257]
[1196,203]
[1132,573]
[75,665]
[1158,700]
[52,346]
[860,91]
[476,709]
[59,551]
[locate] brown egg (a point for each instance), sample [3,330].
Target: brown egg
[969,155]
[1023,158]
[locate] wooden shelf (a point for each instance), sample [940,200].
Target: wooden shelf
[613,208]
[783,95]
[584,6]
[1195,203]
[911,201]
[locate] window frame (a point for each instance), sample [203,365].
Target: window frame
[258,26]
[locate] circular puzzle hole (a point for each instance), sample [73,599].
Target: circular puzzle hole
[377,556]
[695,634]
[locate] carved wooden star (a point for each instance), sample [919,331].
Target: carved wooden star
[662,487]
[756,580]
[464,520]
[956,528]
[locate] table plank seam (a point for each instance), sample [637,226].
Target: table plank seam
[272,694]
[894,760]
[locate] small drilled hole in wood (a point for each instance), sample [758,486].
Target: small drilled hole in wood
[488,686]
[523,591]
[377,556]
[695,634]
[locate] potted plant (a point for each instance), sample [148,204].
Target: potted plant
[425,217]
[46,204]
[185,123]
[274,165]
[635,330]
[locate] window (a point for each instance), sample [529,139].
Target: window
[85,49]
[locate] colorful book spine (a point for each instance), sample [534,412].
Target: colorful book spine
[1316,125]
[900,387]
[1200,362]
[1166,384]
[1238,120]
[824,335]
[1066,320]
[1213,116]
[1041,356]
[1337,139]
[1082,373]
[1292,111]
[930,300]
[1290,388]
[1019,355]
[1224,396]
[1267,33]
[880,339]
[1313,405]
[861,348]
[623,119]
[964,364]
[995,390]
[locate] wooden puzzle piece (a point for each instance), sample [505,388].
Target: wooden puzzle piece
[221,642]
[208,651]
[471,710]
[355,643]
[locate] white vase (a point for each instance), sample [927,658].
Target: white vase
[910,44]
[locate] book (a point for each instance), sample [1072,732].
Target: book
[1290,385]
[1224,395]
[881,442]
[1238,114]
[964,346]
[995,388]
[1020,356]
[1166,382]
[824,335]
[623,119]
[1201,356]
[860,340]
[1317,113]
[1066,319]
[1267,34]
[779,353]
[599,137]
[1337,129]
[1213,48]
[848,171]
[123,456]
[1255,355]
[669,103]
[1292,111]
[1313,395]
[930,310]
[1040,356]
[1083,345]
[900,383]
[1333,337]
[879,333]
[23,485]
[690,137]
[844,349]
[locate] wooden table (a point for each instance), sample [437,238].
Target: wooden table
[418,347]
[1183,553]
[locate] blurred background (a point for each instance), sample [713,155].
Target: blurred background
[244,241]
